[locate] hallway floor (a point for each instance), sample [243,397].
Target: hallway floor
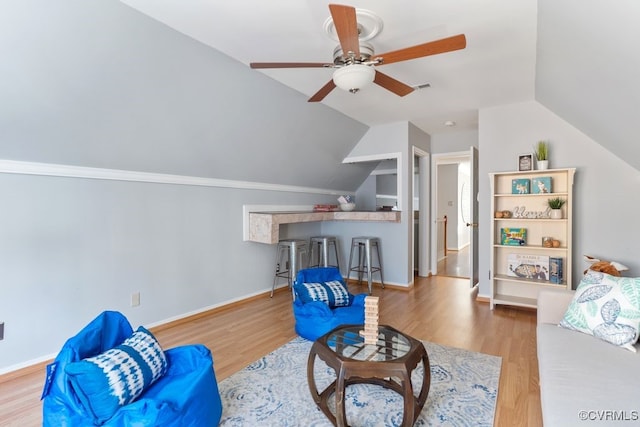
[455,264]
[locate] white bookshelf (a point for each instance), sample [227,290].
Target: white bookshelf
[508,287]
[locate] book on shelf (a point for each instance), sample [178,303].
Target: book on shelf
[325,208]
[556,270]
[541,185]
[528,266]
[513,236]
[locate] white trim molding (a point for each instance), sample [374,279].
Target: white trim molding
[69,171]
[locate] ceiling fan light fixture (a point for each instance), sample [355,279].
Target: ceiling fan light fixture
[354,77]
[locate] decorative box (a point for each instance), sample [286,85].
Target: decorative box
[520,186]
[541,185]
[513,236]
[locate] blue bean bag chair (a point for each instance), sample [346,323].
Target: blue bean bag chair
[110,375]
[322,302]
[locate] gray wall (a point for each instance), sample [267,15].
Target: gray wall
[587,69]
[448,192]
[389,139]
[454,141]
[386,185]
[97,84]
[71,248]
[605,187]
[366,194]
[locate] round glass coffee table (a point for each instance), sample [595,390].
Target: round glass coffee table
[388,363]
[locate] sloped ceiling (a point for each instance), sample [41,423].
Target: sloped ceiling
[588,66]
[99,84]
[497,66]
[578,58]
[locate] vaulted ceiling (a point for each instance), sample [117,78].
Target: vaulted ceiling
[497,66]
[576,57]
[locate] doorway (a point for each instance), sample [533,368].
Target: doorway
[454,212]
[455,264]
[420,212]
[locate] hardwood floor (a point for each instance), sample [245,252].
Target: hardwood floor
[455,264]
[438,309]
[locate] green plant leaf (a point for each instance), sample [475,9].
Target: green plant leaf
[556,202]
[541,150]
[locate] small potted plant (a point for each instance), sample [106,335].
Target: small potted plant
[541,151]
[556,204]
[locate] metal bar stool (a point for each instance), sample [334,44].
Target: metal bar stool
[290,258]
[364,245]
[319,252]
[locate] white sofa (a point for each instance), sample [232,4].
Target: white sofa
[583,380]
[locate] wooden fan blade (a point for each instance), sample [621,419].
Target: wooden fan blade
[392,84]
[290,65]
[344,19]
[431,48]
[319,95]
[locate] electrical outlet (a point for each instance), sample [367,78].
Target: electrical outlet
[1,331]
[135,299]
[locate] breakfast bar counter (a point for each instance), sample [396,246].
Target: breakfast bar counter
[264,227]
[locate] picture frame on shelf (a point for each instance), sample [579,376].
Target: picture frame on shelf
[520,186]
[541,185]
[525,162]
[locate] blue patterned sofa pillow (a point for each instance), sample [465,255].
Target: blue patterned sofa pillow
[105,382]
[332,293]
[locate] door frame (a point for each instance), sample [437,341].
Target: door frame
[437,160]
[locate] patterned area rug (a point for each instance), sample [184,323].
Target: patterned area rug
[273,391]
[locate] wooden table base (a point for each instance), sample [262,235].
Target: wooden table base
[350,370]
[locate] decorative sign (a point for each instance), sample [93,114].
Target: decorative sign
[525,162]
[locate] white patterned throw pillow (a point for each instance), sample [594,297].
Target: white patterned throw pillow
[107,381]
[308,292]
[339,294]
[333,293]
[606,307]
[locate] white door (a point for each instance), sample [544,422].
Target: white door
[424,168]
[473,225]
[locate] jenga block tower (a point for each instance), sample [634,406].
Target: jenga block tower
[370,332]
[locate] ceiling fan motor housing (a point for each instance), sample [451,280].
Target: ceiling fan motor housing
[340,58]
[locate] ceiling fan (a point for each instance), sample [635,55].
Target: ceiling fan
[354,61]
